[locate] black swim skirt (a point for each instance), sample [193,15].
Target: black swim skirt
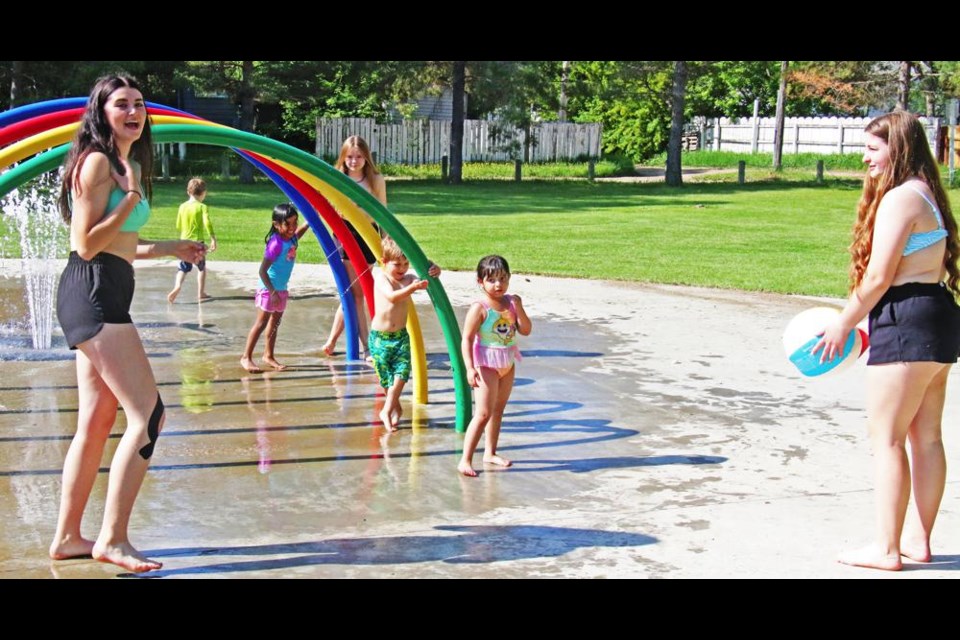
[367,254]
[92,293]
[915,322]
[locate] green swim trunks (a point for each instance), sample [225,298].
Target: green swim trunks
[390,351]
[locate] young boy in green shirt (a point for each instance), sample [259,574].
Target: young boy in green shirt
[193,223]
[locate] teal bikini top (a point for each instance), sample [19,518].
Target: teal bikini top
[138,217]
[924,239]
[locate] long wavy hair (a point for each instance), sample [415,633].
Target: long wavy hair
[909,157]
[96,134]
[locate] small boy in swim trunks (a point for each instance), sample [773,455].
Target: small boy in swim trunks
[389,342]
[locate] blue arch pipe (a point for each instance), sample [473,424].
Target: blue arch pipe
[330,250]
[340,275]
[49,106]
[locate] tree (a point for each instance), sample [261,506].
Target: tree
[16,81]
[564,78]
[39,80]
[903,85]
[238,79]
[778,127]
[674,174]
[631,99]
[456,125]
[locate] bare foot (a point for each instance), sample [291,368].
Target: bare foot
[71,548]
[497,460]
[124,555]
[918,551]
[327,348]
[871,558]
[466,470]
[273,363]
[173,295]
[204,297]
[249,366]
[387,421]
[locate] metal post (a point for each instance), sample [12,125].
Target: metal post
[819,171]
[444,161]
[741,171]
[591,169]
[516,169]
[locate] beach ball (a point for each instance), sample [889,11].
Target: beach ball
[800,337]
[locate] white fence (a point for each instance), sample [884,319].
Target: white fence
[418,142]
[801,135]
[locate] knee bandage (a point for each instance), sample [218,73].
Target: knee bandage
[153,429]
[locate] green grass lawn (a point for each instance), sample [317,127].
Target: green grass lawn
[772,234]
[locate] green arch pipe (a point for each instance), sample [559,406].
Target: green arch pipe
[226,137]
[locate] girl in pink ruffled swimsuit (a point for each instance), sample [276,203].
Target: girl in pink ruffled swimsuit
[489,352]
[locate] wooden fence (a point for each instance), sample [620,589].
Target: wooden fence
[417,142]
[801,135]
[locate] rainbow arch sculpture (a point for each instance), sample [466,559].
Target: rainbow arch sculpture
[43,132]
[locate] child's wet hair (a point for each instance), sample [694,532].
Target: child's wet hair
[281,212]
[390,250]
[492,265]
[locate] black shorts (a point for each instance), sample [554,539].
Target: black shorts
[93,293]
[186,267]
[915,322]
[367,254]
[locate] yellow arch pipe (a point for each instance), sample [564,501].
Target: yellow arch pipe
[36,143]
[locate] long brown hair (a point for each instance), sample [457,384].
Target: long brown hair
[909,157]
[369,166]
[96,134]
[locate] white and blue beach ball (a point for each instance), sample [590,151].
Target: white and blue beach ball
[800,337]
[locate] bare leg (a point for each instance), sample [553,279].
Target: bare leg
[273,327]
[177,285]
[392,405]
[117,354]
[259,324]
[485,399]
[894,395]
[202,286]
[95,418]
[496,417]
[929,471]
[335,331]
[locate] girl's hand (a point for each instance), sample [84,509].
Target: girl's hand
[509,316]
[433,271]
[274,298]
[473,377]
[832,340]
[189,251]
[128,181]
[421,284]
